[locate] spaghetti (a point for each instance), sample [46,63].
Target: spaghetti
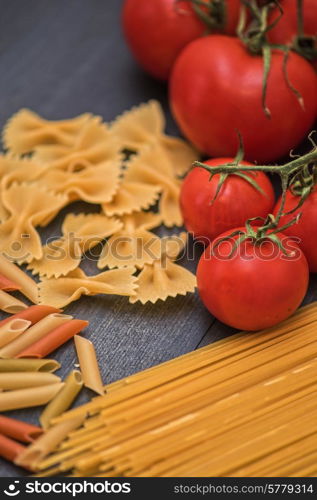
[243,406]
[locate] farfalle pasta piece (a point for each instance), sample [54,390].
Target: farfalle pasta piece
[132,197]
[80,233]
[153,167]
[94,145]
[144,125]
[27,205]
[26,130]
[134,244]
[14,169]
[93,185]
[163,278]
[62,291]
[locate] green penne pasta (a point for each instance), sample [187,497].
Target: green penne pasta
[28,365]
[63,399]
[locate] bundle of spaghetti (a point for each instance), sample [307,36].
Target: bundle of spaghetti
[233,408]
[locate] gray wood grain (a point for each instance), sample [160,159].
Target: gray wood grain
[62,58]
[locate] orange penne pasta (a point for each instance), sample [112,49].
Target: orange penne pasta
[53,339]
[9,449]
[8,285]
[18,430]
[32,313]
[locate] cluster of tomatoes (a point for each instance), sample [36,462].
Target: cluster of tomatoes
[219,84]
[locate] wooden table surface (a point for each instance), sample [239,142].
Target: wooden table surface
[62,58]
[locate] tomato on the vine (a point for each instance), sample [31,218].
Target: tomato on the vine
[255,288]
[157,30]
[286,29]
[305,230]
[216,89]
[207,215]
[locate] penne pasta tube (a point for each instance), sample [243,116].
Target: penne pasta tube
[63,399]
[37,331]
[8,285]
[9,449]
[10,304]
[27,286]
[53,339]
[21,431]
[32,313]
[20,380]
[47,443]
[11,330]
[28,365]
[88,364]
[27,398]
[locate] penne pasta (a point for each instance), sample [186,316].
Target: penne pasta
[11,330]
[47,443]
[26,285]
[27,398]
[33,334]
[20,380]
[63,399]
[8,285]
[21,431]
[32,313]
[28,365]
[9,449]
[53,339]
[10,304]
[88,364]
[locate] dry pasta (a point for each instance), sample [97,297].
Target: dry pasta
[27,286]
[26,130]
[18,236]
[257,389]
[21,380]
[8,285]
[93,145]
[144,125]
[27,398]
[21,431]
[32,313]
[36,332]
[11,330]
[151,166]
[62,291]
[131,197]
[54,339]
[47,443]
[63,399]
[134,244]
[10,449]
[26,365]
[11,304]
[164,278]
[88,364]
[84,183]
[80,234]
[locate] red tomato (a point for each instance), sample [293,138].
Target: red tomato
[236,202]
[287,29]
[216,89]
[157,30]
[257,287]
[306,229]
